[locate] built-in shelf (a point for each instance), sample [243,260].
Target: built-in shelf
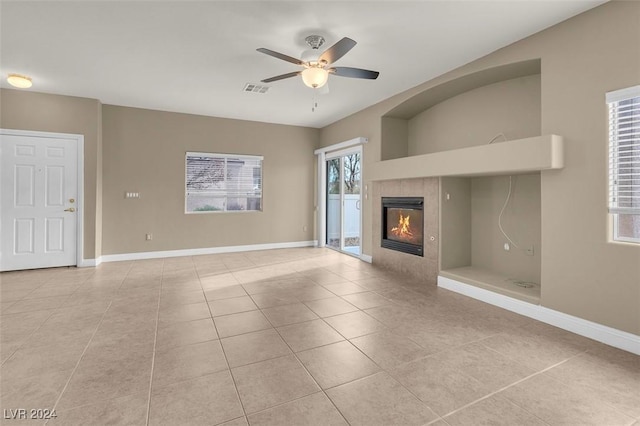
[511,157]
[441,132]
[496,282]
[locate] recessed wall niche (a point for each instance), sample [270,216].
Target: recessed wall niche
[474,249]
[478,135]
[504,99]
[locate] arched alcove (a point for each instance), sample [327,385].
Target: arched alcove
[503,99]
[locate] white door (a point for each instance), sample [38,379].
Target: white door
[39,201]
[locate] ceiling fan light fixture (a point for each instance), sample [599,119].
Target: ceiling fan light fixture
[19,81]
[315,72]
[315,77]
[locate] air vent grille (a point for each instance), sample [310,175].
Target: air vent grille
[255,88]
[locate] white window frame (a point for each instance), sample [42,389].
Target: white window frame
[224,157]
[615,210]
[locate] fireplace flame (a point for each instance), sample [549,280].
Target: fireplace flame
[403,228]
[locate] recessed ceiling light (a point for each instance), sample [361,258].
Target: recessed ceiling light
[19,81]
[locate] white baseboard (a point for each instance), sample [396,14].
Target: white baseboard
[200,251]
[366,258]
[601,333]
[88,263]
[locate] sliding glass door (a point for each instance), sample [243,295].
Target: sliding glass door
[343,201]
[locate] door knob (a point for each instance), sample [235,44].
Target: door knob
[70,209]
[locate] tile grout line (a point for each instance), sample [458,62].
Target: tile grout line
[53,312]
[155,342]
[295,355]
[473,378]
[608,403]
[310,375]
[87,346]
[105,399]
[489,395]
[75,368]
[324,391]
[276,328]
[27,338]
[382,369]
[46,281]
[576,355]
[256,266]
[226,359]
[386,371]
[395,301]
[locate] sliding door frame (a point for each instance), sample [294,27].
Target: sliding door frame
[340,149]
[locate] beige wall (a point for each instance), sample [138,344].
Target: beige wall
[396,132]
[520,220]
[455,222]
[510,107]
[99,173]
[583,274]
[64,114]
[144,151]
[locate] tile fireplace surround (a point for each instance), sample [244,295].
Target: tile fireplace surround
[419,267]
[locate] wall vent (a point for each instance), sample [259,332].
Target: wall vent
[255,88]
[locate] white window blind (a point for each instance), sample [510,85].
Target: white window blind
[624,151]
[222,182]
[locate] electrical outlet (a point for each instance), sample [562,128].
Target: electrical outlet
[149,237]
[507,247]
[304,228]
[529,251]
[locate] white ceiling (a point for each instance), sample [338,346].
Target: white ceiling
[196,57]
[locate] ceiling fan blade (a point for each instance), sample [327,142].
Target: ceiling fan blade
[280,56]
[281,77]
[354,73]
[337,51]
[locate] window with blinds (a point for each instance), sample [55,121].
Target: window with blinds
[222,182]
[624,163]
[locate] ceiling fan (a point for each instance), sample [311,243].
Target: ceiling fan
[317,68]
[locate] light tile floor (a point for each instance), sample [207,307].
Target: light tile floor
[290,337]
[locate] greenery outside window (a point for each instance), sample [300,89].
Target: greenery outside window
[222,182]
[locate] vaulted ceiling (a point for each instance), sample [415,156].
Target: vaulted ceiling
[196,57]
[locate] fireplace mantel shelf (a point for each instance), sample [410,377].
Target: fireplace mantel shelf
[511,157]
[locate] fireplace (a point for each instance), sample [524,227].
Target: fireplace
[403,224]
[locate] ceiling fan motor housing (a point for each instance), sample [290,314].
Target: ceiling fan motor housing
[315,41]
